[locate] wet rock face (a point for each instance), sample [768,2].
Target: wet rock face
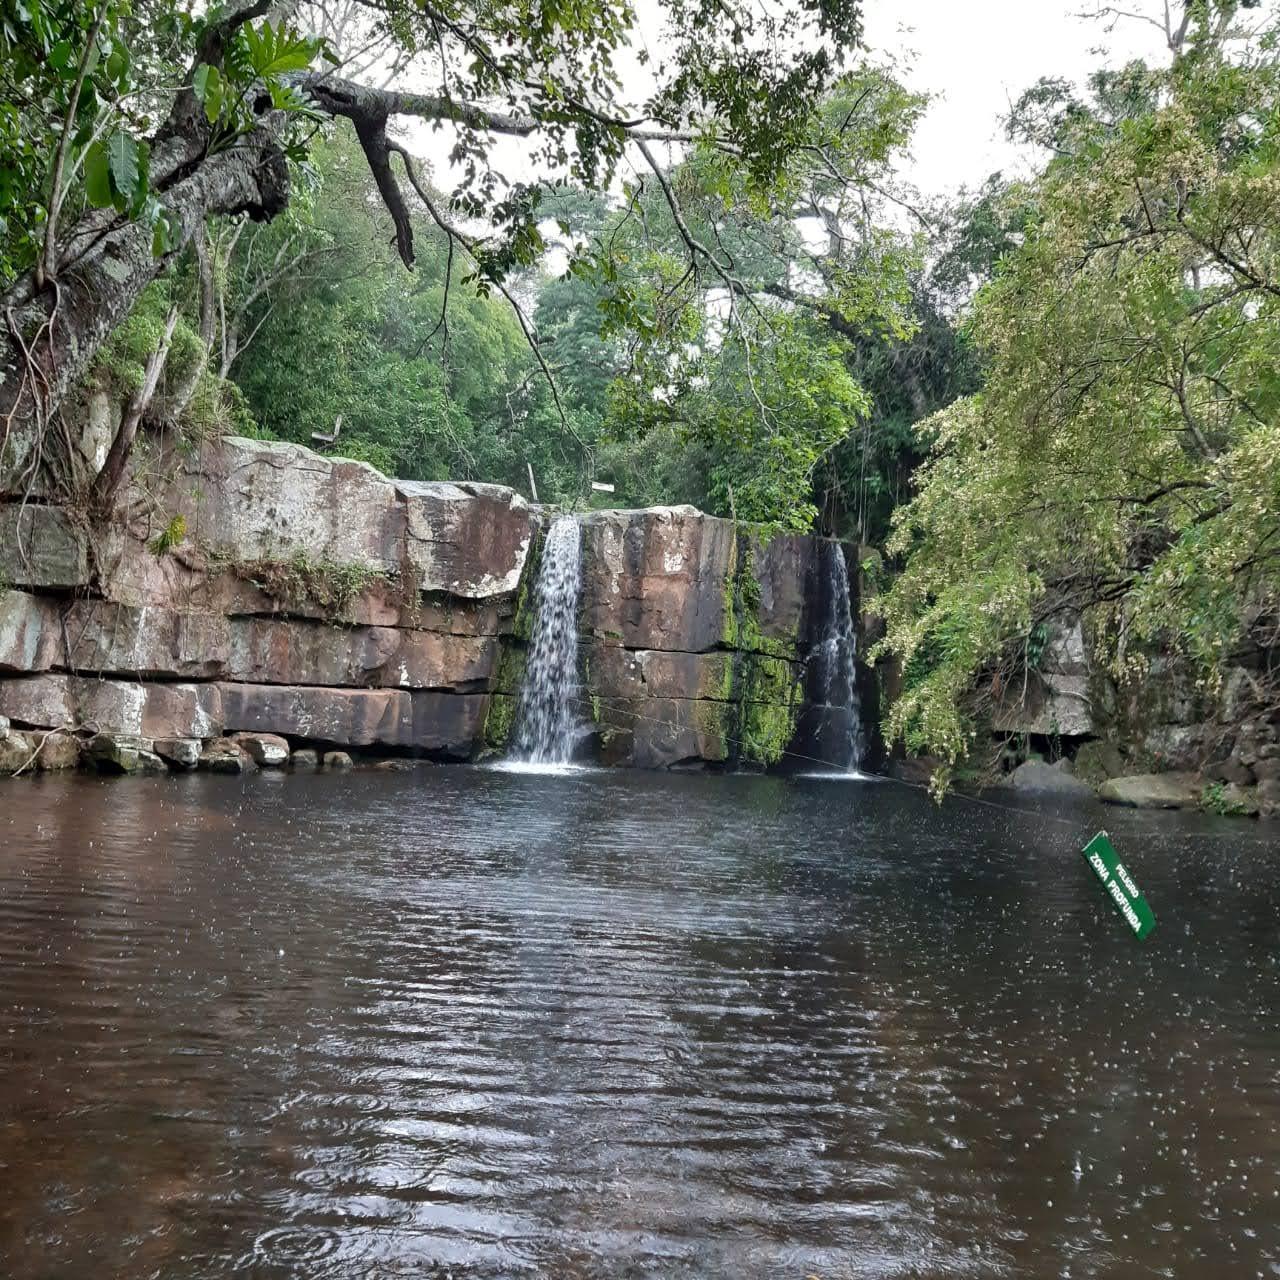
[656,579]
[445,723]
[466,540]
[302,595]
[1057,699]
[695,635]
[256,500]
[115,706]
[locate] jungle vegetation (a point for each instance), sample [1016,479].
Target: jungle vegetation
[500,240]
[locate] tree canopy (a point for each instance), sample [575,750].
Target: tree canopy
[1122,459]
[115,170]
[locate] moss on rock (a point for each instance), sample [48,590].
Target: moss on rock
[712,722]
[500,721]
[770,694]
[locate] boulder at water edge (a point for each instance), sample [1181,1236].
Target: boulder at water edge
[1153,791]
[267,749]
[1037,778]
[182,753]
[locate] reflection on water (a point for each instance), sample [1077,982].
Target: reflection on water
[479,1024]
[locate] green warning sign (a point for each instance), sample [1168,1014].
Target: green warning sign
[1100,854]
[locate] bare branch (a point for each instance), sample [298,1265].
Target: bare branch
[113,468]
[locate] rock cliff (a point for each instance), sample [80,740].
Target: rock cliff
[260,588]
[1159,733]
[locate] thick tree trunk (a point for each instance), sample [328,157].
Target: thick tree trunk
[51,336]
[108,481]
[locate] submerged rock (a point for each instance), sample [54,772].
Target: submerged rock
[1153,791]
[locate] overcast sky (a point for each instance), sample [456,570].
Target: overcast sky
[979,55]
[975,56]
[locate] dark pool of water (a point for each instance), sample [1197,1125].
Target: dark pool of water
[474,1024]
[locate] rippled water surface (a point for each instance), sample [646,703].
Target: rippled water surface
[480,1024]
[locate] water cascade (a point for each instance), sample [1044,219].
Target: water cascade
[547,722]
[833,664]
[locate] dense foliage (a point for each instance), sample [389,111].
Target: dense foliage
[125,129]
[1122,459]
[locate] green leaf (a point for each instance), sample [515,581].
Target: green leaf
[122,158]
[118,64]
[165,229]
[97,176]
[210,89]
[60,55]
[274,51]
[142,191]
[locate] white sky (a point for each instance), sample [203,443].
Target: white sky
[975,56]
[979,55]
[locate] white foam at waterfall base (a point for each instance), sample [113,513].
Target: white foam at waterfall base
[838,775]
[541,769]
[547,721]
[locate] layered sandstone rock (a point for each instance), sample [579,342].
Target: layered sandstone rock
[117,706]
[657,578]
[1057,700]
[264,589]
[450,724]
[42,547]
[695,635]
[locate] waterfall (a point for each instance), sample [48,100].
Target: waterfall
[833,660]
[547,721]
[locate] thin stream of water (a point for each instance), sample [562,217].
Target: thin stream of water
[547,727]
[835,658]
